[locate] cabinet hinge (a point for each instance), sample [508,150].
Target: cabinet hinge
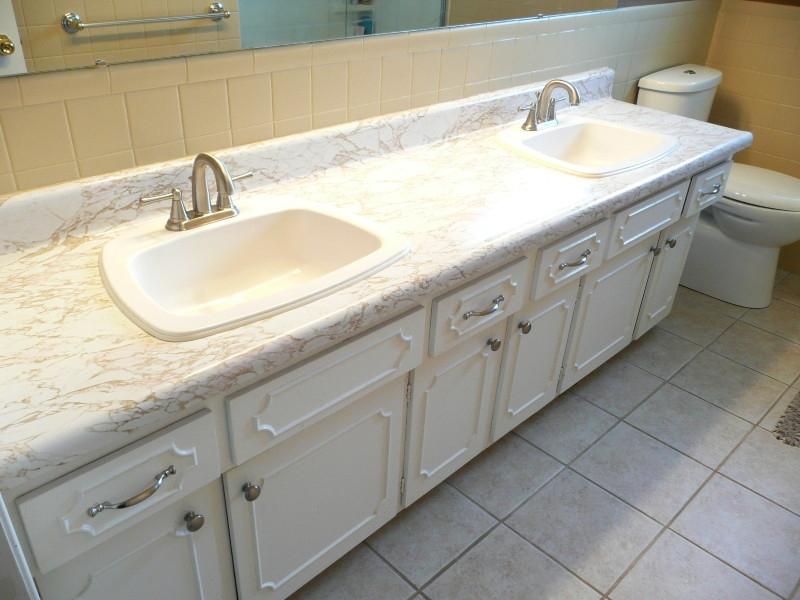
[402,486]
[409,383]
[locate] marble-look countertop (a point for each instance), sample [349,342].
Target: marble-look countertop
[78,379]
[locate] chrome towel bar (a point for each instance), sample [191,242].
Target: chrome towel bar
[73,23]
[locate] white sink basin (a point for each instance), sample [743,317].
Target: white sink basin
[185,285]
[589,148]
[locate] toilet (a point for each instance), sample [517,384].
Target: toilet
[734,255]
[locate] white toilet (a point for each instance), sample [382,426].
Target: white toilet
[734,255]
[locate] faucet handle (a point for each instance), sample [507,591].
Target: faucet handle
[532,105]
[177,212]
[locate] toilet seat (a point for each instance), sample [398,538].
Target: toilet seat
[763,188]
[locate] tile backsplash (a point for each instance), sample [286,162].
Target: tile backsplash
[757,47]
[60,126]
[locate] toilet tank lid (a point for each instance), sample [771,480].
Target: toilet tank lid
[762,187]
[682,79]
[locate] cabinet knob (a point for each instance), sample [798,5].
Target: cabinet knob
[525,327]
[7,47]
[194,521]
[494,344]
[672,242]
[251,491]
[655,250]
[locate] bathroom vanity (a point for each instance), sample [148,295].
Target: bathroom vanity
[262,454]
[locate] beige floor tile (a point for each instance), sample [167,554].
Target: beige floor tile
[584,528]
[689,424]
[729,385]
[566,427]
[761,351]
[674,569]
[768,466]
[503,565]
[748,532]
[642,471]
[781,318]
[788,289]
[360,575]
[699,318]
[660,353]
[617,387]
[771,419]
[432,532]
[505,475]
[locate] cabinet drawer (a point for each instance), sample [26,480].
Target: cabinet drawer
[57,518]
[643,219]
[706,188]
[570,258]
[270,412]
[477,306]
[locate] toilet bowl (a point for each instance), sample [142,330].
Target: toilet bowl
[734,255]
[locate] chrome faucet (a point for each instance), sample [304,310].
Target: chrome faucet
[543,110]
[202,211]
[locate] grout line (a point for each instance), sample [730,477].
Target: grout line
[390,565]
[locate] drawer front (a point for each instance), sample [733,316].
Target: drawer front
[706,188]
[643,219]
[270,412]
[570,258]
[58,518]
[476,307]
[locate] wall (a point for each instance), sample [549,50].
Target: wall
[60,126]
[757,47]
[48,47]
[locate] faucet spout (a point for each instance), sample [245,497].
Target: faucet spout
[545,108]
[201,200]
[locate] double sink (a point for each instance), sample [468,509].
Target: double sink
[185,285]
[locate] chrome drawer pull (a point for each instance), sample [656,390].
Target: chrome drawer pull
[672,242]
[581,261]
[715,190]
[489,311]
[158,481]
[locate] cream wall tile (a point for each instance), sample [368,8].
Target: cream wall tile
[502,62]
[479,59]
[453,93]
[149,75]
[382,45]
[291,94]
[364,81]
[425,69]
[282,58]
[5,161]
[249,135]
[454,68]
[154,117]
[47,175]
[328,119]
[329,87]
[424,99]
[7,184]
[50,87]
[423,41]
[395,77]
[160,152]
[337,51]
[219,66]
[99,126]
[395,105]
[106,164]
[365,111]
[37,136]
[204,108]
[250,101]
[208,143]
[291,126]
[10,95]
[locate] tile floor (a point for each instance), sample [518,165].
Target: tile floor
[655,478]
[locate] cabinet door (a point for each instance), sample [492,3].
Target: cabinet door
[319,494]
[673,249]
[158,558]
[451,410]
[607,311]
[535,344]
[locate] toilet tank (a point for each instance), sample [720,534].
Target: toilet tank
[686,90]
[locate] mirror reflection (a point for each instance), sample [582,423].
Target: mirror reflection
[49,35]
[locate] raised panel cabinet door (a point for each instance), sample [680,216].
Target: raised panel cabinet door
[451,410]
[673,250]
[182,553]
[301,505]
[606,315]
[535,343]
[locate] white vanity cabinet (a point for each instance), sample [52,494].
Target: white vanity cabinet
[302,504]
[180,553]
[535,341]
[607,311]
[671,254]
[451,410]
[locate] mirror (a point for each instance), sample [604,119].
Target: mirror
[47,35]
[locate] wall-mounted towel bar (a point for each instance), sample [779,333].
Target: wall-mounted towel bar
[73,23]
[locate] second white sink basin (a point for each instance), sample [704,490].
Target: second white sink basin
[185,285]
[589,148]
